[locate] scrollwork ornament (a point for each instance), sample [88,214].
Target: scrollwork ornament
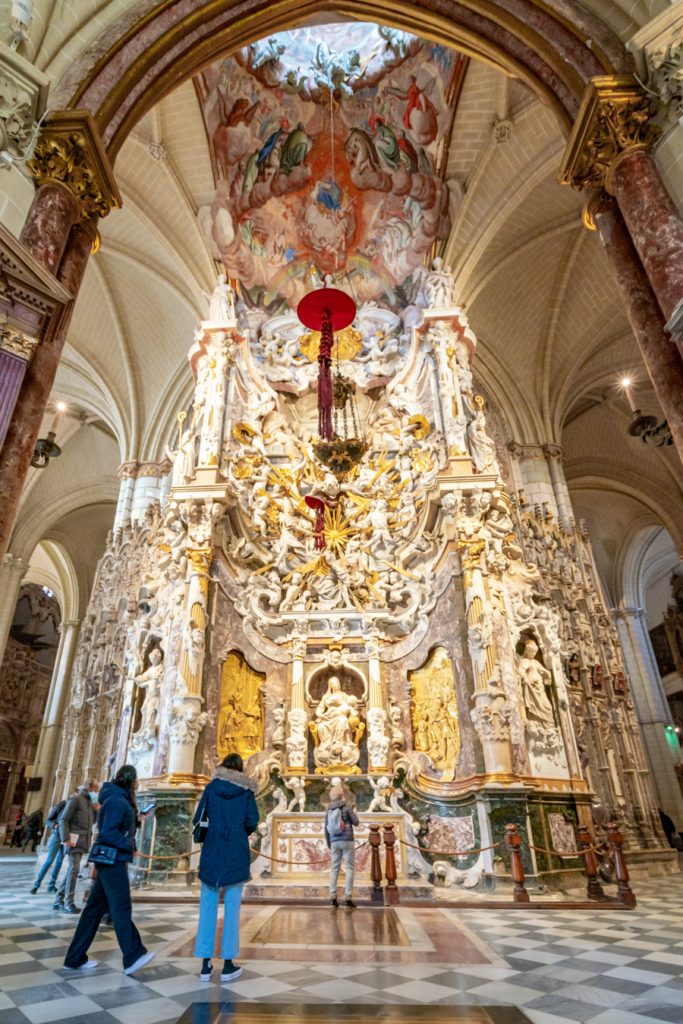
[16,343]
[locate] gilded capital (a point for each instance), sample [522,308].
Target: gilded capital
[70,151]
[16,342]
[615,117]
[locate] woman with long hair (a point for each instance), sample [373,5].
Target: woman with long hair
[227,813]
[116,824]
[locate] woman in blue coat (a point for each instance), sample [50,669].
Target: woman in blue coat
[227,809]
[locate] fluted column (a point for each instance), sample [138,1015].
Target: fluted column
[651,708]
[12,572]
[47,753]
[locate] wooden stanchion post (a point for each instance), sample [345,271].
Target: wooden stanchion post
[615,839]
[391,893]
[585,840]
[513,842]
[376,896]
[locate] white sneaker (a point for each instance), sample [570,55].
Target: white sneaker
[141,962]
[87,966]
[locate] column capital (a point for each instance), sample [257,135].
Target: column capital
[69,152]
[14,565]
[16,342]
[24,89]
[70,623]
[545,452]
[615,118]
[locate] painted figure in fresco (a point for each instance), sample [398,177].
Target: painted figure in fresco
[295,149]
[420,116]
[337,728]
[387,142]
[536,682]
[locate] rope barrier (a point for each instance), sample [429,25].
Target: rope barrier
[276,860]
[565,855]
[449,853]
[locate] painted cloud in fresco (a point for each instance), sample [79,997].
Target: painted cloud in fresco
[326,145]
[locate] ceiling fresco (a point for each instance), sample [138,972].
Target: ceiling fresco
[328,149]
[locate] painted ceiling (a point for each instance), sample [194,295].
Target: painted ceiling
[328,147]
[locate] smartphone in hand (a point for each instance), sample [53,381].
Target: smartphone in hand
[148,808]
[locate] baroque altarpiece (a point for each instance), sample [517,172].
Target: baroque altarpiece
[407,624]
[420,632]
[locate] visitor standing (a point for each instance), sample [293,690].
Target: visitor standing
[226,814]
[55,850]
[339,836]
[18,830]
[117,821]
[33,831]
[75,829]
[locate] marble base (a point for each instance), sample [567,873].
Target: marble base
[170,858]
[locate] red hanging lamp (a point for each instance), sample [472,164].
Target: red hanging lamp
[326,310]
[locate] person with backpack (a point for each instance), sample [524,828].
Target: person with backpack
[226,815]
[55,850]
[339,822]
[75,828]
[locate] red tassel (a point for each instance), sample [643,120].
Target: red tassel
[325,392]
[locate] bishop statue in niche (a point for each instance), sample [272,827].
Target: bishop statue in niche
[240,726]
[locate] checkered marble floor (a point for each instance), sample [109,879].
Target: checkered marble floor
[555,966]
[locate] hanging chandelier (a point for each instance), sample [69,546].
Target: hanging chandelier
[340,446]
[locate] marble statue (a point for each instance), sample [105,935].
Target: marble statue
[378,741]
[150,682]
[397,740]
[184,458]
[381,789]
[536,680]
[438,286]
[222,302]
[296,740]
[449,875]
[337,728]
[298,788]
[482,448]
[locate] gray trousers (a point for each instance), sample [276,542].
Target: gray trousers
[67,890]
[344,851]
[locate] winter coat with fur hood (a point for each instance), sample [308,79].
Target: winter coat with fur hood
[229,806]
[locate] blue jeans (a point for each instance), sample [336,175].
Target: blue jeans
[208,916]
[109,894]
[342,851]
[54,849]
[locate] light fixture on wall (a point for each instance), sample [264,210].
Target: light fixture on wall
[649,429]
[46,447]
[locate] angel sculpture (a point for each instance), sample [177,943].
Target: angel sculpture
[297,787]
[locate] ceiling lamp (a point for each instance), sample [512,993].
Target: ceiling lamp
[340,446]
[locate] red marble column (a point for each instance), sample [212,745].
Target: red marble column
[46,231]
[661,357]
[653,223]
[15,458]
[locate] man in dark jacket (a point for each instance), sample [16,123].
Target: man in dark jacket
[34,830]
[75,830]
[55,850]
[228,810]
[339,836]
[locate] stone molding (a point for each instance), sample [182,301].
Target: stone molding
[23,99]
[134,470]
[658,52]
[70,152]
[544,452]
[14,564]
[615,117]
[16,343]
[29,294]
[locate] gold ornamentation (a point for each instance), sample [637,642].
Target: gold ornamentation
[419,426]
[70,151]
[338,769]
[16,343]
[434,711]
[614,118]
[240,725]
[347,344]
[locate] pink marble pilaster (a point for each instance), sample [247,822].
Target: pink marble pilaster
[653,223]
[46,231]
[22,433]
[662,358]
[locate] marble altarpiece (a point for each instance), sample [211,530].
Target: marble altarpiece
[439,645]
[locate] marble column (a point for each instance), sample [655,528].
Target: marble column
[45,762]
[22,434]
[651,708]
[12,572]
[45,234]
[662,359]
[653,224]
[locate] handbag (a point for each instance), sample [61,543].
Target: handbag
[101,854]
[200,830]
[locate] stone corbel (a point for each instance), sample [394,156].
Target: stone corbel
[70,152]
[658,52]
[23,98]
[615,118]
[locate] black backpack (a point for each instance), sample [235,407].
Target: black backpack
[55,812]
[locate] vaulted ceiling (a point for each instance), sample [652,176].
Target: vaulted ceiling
[553,337]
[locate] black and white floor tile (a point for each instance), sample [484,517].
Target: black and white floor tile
[555,966]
